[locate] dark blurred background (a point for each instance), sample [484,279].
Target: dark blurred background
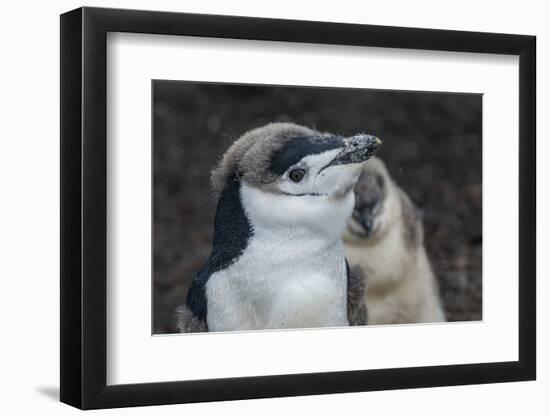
[431,144]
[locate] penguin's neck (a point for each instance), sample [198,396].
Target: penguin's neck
[310,218]
[290,273]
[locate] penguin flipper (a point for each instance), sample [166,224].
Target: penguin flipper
[357,286]
[187,322]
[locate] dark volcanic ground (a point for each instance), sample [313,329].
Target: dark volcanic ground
[431,144]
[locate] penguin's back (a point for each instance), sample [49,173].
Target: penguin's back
[232,232]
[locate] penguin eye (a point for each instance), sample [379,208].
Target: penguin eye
[297,174]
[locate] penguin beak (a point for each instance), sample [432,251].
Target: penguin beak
[358,149]
[365,217]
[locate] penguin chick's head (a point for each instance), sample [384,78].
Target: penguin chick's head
[372,200]
[287,167]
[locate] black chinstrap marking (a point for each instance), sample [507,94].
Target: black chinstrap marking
[232,232]
[304,194]
[297,148]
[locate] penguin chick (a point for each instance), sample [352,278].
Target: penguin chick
[386,237]
[285,193]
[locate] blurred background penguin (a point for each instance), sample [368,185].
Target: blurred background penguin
[385,236]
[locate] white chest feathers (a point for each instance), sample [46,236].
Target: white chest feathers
[287,277]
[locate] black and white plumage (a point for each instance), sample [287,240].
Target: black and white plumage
[285,194]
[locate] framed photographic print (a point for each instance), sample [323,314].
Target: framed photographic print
[258,208]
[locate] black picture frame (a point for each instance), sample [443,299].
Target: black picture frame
[84,207]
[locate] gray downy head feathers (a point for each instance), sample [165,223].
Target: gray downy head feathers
[371,200]
[261,155]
